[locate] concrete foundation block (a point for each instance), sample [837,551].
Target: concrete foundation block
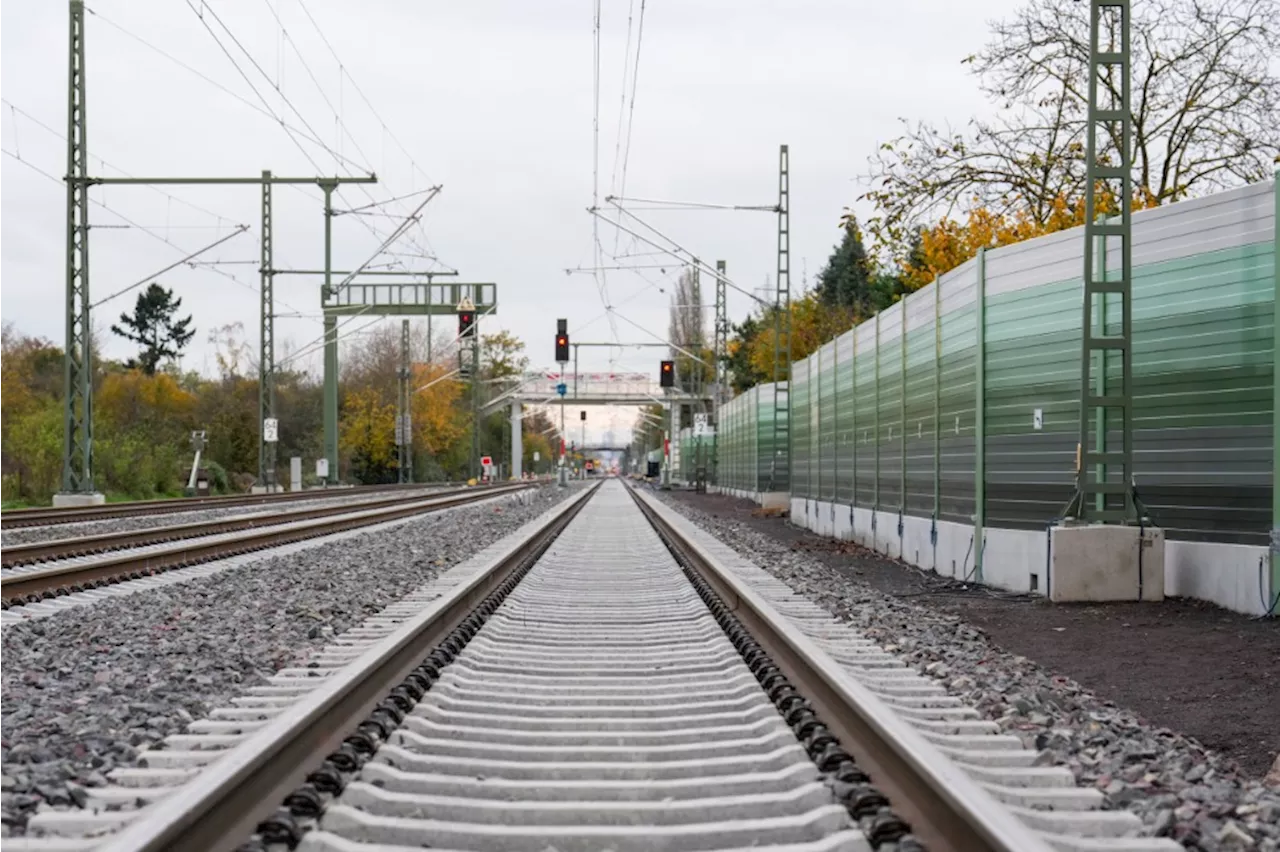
[69,500]
[1101,563]
[266,489]
[774,499]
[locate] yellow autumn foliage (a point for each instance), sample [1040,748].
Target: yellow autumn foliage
[368,428]
[438,422]
[132,398]
[812,324]
[949,243]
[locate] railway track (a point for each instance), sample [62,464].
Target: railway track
[41,571]
[44,551]
[605,678]
[46,516]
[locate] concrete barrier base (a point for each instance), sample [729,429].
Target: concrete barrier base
[774,499]
[1106,563]
[68,500]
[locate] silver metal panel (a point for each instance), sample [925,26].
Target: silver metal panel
[1044,260]
[1225,220]
[891,323]
[959,287]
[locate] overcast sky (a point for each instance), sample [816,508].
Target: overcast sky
[493,99]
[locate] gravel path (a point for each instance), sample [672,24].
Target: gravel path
[84,691]
[27,535]
[1179,788]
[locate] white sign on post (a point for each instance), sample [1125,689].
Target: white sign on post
[537,456]
[322,468]
[699,425]
[270,429]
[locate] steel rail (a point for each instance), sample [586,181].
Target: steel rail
[46,516]
[220,809]
[946,809]
[21,584]
[62,548]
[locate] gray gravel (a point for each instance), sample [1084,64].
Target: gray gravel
[84,691]
[1179,788]
[27,535]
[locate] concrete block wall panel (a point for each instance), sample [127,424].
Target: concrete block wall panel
[1230,575]
[918,547]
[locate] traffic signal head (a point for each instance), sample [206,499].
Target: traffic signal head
[466,323]
[667,374]
[562,342]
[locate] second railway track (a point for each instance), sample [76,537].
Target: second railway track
[595,681]
[49,516]
[40,571]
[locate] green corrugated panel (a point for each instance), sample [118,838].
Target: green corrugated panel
[829,467]
[864,413]
[958,332]
[1033,362]
[844,407]
[764,434]
[919,404]
[1202,366]
[1203,392]
[801,419]
[890,475]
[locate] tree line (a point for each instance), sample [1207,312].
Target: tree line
[145,408]
[1205,109]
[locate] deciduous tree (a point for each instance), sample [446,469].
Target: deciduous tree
[1205,106]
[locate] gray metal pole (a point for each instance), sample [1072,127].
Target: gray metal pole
[475,402]
[517,440]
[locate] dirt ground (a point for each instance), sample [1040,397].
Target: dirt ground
[1182,664]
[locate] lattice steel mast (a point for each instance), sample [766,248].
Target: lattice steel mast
[1104,477]
[780,464]
[721,352]
[77,460]
[267,345]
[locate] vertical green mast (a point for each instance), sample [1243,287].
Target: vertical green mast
[330,342]
[404,418]
[77,458]
[722,369]
[780,463]
[1104,490]
[266,344]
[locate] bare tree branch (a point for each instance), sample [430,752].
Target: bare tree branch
[1205,107]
